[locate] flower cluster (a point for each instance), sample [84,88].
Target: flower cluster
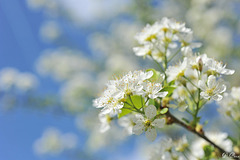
[230,105]
[200,72]
[54,142]
[11,78]
[123,94]
[167,149]
[199,146]
[143,101]
[133,83]
[160,40]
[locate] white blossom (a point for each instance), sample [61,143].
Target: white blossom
[128,122]
[152,90]
[219,138]
[148,124]
[181,144]
[54,142]
[218,67]
[105,120]
[230,105]
[11,78]
[211,88]
[178,71]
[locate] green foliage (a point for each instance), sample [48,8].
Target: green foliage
[131,102]
[151,102]
[169,89]
[156,76]
[208,150]
[164,110]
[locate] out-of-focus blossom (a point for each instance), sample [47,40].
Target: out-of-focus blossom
[128,122]
[50,31]
[63,64]
[218,138]
[166,149]
[77,92]
[230,105]
[54,142]
[11,78]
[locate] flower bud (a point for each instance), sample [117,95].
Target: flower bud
[200,64]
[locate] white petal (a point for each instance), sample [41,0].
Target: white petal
[217,97]
[151,134]
[211,81]
[124,122]
[104,127]
[201,85]
[161,94]
[152,96]
[204,95]
[149,74]
[159,123]
[229,71]
[150,111]
[222,88]
[138,128]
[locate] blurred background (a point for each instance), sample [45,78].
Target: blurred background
[56,55]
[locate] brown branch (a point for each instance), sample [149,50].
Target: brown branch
[172,119]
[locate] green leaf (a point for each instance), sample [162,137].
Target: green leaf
[171,83]
[156,76]
[169,89]
[124,112]
[151,102]
[138,102]
[208,149]
[164,110]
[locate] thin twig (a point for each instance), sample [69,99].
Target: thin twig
[172,119]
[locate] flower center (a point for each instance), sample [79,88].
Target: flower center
[151,37]
[147,123]
[210,91]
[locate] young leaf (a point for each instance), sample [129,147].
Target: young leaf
[124,112]
[164,110]
[169,89]
[138,102]
[208,150]
[156,76]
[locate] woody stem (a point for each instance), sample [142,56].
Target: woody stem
[172,119]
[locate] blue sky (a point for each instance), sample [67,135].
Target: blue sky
[20,47]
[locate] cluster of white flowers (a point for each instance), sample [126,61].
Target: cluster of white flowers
[219,138]
[161,39]
[11,78]
[133,83]
[115,96]
[54,142]
[200,72]
[168,149]
[69,63]
[141,102]
[230,105]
